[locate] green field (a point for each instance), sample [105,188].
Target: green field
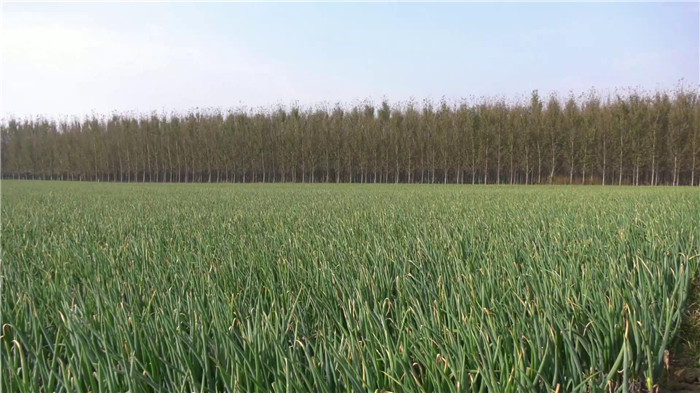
[328,288]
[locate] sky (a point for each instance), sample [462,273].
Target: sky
[76,59]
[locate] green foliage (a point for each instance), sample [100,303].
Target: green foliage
[633,139]
[317,288]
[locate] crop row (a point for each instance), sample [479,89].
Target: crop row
[289,288]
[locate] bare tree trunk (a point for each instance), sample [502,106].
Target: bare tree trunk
[604,161]
[619,183]
[571,171]
[692,171]
[653,158]
[148,164]
[445,174]
[128,159]
[571,174]
[511,165]
[374,169]
[396,180]
[410,169]
[675,170]
[551,171]
[539,164]
[527,165]
[498,164]
[337,170]
[422,168]
[486,168]
[94,146]
[193,169]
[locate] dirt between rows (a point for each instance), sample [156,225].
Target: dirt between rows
[683,368]
[681,376]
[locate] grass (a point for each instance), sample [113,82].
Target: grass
[328,288]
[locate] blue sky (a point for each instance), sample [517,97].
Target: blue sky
[78,58]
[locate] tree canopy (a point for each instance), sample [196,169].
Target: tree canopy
[628,139]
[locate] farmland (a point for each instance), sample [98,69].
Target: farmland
[325,288]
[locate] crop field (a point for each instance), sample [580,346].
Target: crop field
[342,288]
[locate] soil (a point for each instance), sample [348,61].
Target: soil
[683,376]
[683,371]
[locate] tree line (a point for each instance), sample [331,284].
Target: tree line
[639,139]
